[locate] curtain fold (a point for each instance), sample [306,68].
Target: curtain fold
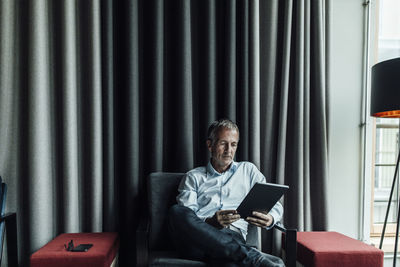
[254,83]
[68,120]
[269,74]
[97,94]
[39,150]
[129,161]
[110,185]
[226,18]
[242,78]
[319,114]
[154,80]
[92,135]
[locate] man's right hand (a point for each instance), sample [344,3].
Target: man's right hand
[223,218]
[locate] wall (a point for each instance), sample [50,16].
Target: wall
[346,43]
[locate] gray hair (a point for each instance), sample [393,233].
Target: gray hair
[214,128]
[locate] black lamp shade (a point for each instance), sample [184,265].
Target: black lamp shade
[385,89]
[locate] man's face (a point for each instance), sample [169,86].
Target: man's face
[224,149]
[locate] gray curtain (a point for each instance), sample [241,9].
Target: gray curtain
[95,95]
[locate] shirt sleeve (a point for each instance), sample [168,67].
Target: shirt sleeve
[188,192]
[277,210]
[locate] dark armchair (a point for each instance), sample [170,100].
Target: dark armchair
[153,247]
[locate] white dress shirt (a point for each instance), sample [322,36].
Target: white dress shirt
[205,191]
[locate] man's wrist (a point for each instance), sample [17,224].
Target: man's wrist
[213,222]
[272,223]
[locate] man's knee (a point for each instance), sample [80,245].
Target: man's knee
[175,210]
[178,211]
[270,260]
[179,215]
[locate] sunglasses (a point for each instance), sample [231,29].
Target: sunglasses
[70,246]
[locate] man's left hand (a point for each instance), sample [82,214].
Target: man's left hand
[260,219]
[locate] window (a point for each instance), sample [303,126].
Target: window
[386,140]
[385,37]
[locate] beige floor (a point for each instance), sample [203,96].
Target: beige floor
[388,243]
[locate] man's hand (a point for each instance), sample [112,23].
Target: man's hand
[223,218]
[260,219]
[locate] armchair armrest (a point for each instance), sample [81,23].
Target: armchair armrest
[254,236]
[142,242]
[290,244]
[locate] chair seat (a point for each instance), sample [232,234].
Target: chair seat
[171,258]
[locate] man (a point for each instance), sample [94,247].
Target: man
[204,225]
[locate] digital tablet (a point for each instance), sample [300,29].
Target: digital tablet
[262,197]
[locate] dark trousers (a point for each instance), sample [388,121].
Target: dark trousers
[197,240]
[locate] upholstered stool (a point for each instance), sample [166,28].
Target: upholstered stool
[332,249]
[104,251]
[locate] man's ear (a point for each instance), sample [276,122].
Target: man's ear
[209,145]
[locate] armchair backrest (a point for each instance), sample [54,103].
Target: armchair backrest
[162,191]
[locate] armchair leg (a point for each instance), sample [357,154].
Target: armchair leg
[142,245]
[291,247]
[11,232]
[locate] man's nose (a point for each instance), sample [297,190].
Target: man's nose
[228,148]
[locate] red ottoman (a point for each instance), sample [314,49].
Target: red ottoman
[332,249]
[103,253]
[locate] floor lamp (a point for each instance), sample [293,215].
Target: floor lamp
[385,103]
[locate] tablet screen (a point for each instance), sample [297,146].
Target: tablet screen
[262,197]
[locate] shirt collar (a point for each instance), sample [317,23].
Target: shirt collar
[212,171]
